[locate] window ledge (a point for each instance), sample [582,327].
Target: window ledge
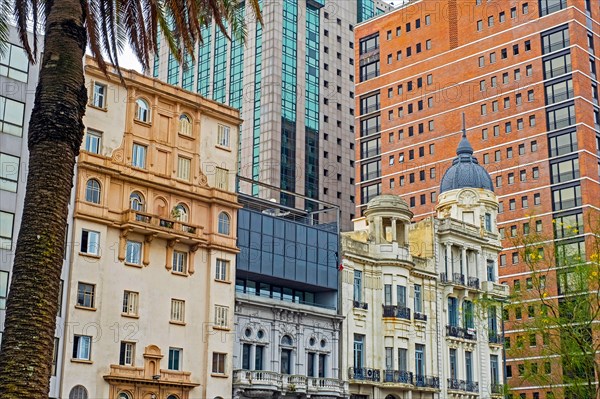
[89,255]
[222,328]
[180,274]
[219,375]
[138,168]
[84,361]
[85,308]
[133,265]
[177,323]
[147,124]
[132,316]
[222,147]
[186,136]
[103,109]
[222,281]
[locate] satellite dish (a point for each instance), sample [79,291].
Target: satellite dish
[276,212]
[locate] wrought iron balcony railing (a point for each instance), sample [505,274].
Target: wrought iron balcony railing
[426,381]
[497,389]
[364,374]
[459,332]
[398,312]
[494,338]
[403,377]
[361,305]
[473,282]
[420,316]
[462,385]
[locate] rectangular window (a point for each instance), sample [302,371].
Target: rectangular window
[555,40]
[93,141]
[55,350]
[559,91]
[221,271]
[177,310]
[221,316]
[183,168]
[133,252]
[566,198]
[138,158]
[402,359]
[359,341]
[99,95]
[418,299]
[9,172]
[90,242]
[218,363]
[564,171]
[130,303]
[452,311]
[561,117]
[557,66]
[419,360]
[222,178]
[82,347]
[14,63]
[85,295]
[370,70]
[127,354]
[389,358]
[563,144]
[3,288]
[175,359]
[180,260]
[11,116]
[387,294]
[223,136]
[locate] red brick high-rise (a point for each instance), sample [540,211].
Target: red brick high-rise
[525,75]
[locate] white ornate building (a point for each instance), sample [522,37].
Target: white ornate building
[421,301]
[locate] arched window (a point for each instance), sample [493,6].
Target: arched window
[142,111]
[180,212]
[185,125]
[124,395]
[136,201]
[172,397]
[78,392]
[92,191]
[224,223]
[287,340]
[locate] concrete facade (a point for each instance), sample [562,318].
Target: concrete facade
[150,295]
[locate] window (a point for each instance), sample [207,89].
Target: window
[130,303]
[481,61]
[418,299]
[133,252]
[559,91]
[177,311]
[11,116]
[369,71]
[78,392]
[565,170]
[99,95]
[93,141]
[82,345]
[224,224]
[222,178]
[357,286]
[175,358]
[561,117]
[142,111]
[136,202]
[90,242]
[218,363]
[85,295]
[221,270]
[419,360]
[223,136]
[525,8]
[185,125]
[480,25]
[180,260]
[492,58]
[92,191]
[563,143]
[221,316]
[183,168]
[566,198]
[126,354]
[9,172]
[138,158]
[3,288]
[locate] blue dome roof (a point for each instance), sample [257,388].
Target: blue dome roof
[465,170]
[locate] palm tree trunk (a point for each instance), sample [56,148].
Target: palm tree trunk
[55,135]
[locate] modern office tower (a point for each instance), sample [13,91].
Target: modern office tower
[18,81]
[422,301]
[525,74]
[293,82]
[151,293]
[287,325]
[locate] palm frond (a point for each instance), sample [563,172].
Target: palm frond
[5,14]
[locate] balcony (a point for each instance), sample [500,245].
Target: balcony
[420,316]
[462,385]
[425,381]
[360,305]
[494,338]
[462,333]
[261,380]
[138,375]
[495,289]
[452,278]
[398,312]
[162,227]
[473,282]
[364,374]
[398,377]
[497,390]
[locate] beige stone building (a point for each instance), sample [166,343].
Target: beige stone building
[151,294]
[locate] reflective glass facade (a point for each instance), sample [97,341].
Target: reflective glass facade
[311,110]
[172,70]
[236,71]
[203,86]
[256,114]
[188,73]
[220,67]
[288,99]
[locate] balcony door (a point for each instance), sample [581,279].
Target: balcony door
[453,312]
[494,375]
[453,370]
[286,361]
[359,351]
[420,360]
[469,366]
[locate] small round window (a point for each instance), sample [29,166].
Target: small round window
[260,334]
[247,332]
[323,343]
[311,342]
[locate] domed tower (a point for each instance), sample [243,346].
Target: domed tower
[388,218]
[466,190]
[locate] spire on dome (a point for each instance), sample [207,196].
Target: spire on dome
[464,147]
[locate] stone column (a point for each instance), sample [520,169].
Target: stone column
[449,265]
